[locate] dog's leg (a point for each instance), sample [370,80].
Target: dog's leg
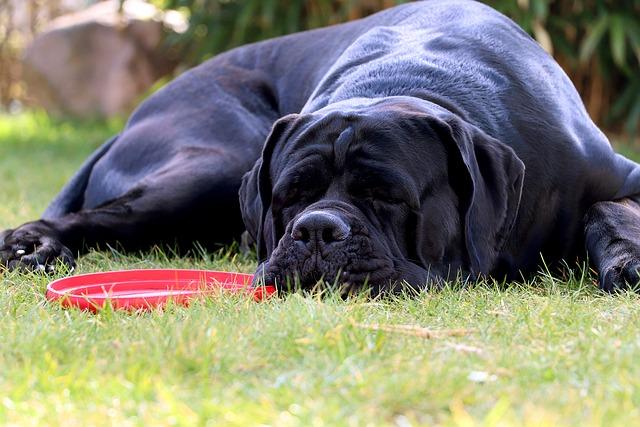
[612,238]
[195,198]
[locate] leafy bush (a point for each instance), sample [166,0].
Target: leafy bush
[596,41]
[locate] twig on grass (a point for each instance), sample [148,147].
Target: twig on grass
[464,348]
[413,330]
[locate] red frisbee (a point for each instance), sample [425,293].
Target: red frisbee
[146,289]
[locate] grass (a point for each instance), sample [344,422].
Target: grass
[553,351]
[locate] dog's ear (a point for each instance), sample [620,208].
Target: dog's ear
[490,189]
[255,190]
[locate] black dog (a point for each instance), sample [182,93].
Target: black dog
[431,139]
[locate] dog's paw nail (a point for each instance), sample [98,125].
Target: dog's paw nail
[20,252]
[40,267]
[51,268]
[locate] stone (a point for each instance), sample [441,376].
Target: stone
[99,61]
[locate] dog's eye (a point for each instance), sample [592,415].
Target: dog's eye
[297,191]
[384,198]
[289,201]
[392,200]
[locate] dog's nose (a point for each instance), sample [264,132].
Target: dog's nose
[319,227]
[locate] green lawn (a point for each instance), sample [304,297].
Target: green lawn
[550,352]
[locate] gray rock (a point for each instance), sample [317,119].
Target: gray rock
[98,62]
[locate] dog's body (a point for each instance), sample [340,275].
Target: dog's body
[478,140]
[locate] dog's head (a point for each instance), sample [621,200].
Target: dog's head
[379,192]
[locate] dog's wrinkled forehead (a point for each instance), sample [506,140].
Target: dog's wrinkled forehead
[390,139]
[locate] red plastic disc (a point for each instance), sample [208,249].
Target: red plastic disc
[146,289]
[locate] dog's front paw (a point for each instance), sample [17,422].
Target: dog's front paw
[35,247]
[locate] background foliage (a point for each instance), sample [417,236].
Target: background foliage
[596,41]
